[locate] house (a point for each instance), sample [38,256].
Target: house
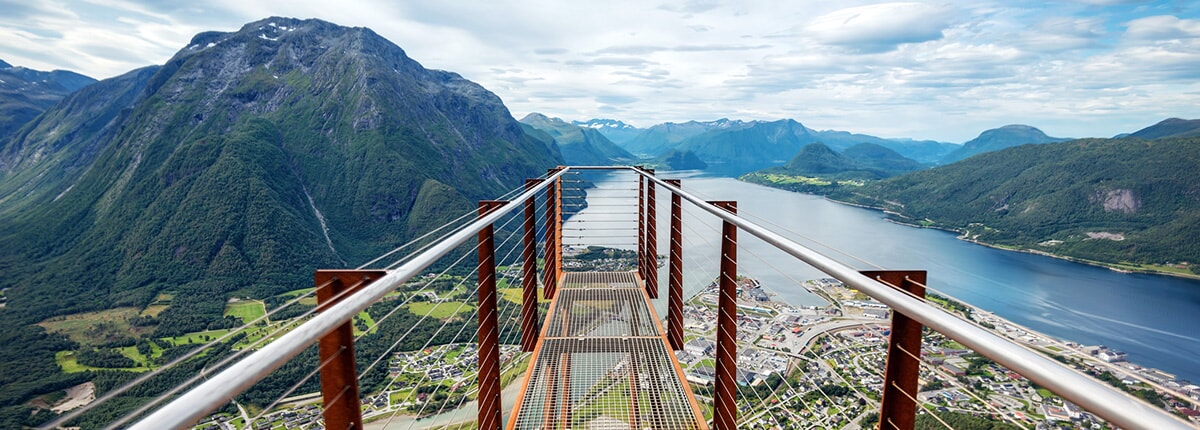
[876,313]
[953,370]
[1111,355]
[699,346]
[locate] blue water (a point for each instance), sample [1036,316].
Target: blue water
[1155,319]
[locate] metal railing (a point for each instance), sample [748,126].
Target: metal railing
[220,388]
[1106,402]
[1118,408]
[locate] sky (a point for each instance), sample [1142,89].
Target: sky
[925,70]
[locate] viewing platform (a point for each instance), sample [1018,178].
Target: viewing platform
[604,361]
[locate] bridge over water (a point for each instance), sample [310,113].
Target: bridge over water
[598,354]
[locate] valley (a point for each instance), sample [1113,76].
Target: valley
[166,219]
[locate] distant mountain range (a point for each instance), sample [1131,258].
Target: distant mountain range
[1131,202]
[582,146]
[736,146]
[616,131]
[25,93]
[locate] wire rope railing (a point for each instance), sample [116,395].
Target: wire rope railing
[1109,404]
[709,262]
[198,402]
[765,407]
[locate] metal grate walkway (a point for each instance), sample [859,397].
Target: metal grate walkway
[603,362]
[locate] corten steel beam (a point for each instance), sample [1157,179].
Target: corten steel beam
[566,390]
[633,393]
[900,377]
[548,401]
[651,240]
[725,408]
[529,303]
[679,374]
[489,331]
[548,257]
[558,232]
[655,401]
[641,224]
[551,395]
[675,273]
[339,378]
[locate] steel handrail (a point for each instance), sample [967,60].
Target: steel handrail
[1114,406]
[199,402]
[1106,402]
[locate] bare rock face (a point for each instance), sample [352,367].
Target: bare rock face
[1121,200]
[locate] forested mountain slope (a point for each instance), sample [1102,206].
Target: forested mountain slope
[1107,200]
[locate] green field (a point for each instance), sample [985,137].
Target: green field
[154,310]
[439,310]
[67,362]
[94,328]
[196,338]
[246,310]
[310,300]
[366,319]
[514,295]
[133,354]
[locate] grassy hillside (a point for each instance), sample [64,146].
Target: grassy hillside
[1106,200]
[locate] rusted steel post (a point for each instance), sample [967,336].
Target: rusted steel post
[489,330]
[725,408]
[529,304]
[675,273]
[651,240]
[641,223]
[339,378]
[900,375]
[549,277]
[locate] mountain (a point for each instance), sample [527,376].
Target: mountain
[246,161]
[745,146]
[681,160]
[881,159]
[925,151]
[25,93]
[819,161]
[660,138]
[698,136]
[579,145]
[1000,138]
[616,131]
[1170,127]
[1107,200]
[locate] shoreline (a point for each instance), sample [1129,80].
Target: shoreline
[1116,267]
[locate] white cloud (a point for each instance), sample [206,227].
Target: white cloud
[880,27]
[1163,27]
[923,70]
